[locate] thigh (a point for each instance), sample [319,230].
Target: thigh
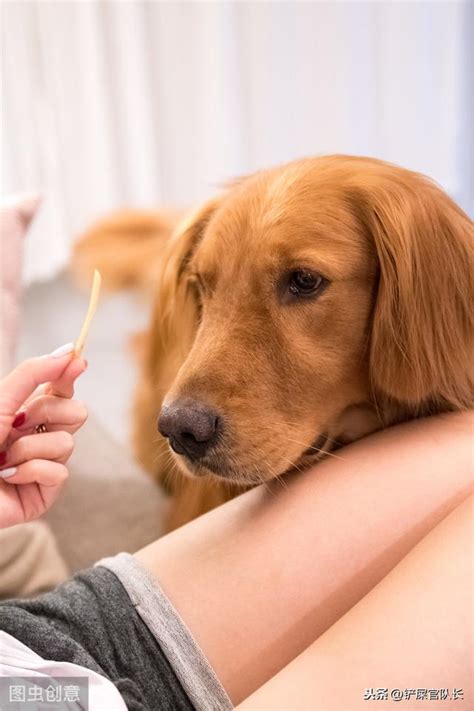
[412,631]
[260,578]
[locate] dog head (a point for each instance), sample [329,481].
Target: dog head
[308,305]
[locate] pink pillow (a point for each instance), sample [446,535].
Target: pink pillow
[16,213]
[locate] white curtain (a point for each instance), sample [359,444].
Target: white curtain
[106,104]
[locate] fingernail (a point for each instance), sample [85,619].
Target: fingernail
[19,419]
[62,350]
[5,473]
[3,458]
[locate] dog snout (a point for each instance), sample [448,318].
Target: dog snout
[191,427]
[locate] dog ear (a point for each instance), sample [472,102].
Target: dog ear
[421,341]
[169,336]
[176,308]
[166,344]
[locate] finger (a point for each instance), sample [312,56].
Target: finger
[39,471]
[25,378]
[54,412]
[40,390]
[23,502]
[57,446]
[64,385]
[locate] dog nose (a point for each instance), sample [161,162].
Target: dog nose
[191,427]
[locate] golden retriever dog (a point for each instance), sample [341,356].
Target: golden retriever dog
[302,308]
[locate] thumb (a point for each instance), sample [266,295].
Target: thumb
[64,385]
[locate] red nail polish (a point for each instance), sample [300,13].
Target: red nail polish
[3,458]
[19,420]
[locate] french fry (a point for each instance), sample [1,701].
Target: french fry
[93,301]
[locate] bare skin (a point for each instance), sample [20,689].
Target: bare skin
[412,631]
[39,391]
[259,579]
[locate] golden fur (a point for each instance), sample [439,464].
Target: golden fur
[388,339]
[125,247]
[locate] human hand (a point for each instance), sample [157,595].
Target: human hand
[37,392]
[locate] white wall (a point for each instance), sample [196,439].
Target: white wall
[113,103]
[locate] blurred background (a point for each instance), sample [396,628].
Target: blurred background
[113,104]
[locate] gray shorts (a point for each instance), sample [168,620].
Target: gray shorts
[116,620]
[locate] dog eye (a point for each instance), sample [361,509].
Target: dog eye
[196,283]
[304,282]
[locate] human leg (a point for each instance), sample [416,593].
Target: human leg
[413,631]
[262,577]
